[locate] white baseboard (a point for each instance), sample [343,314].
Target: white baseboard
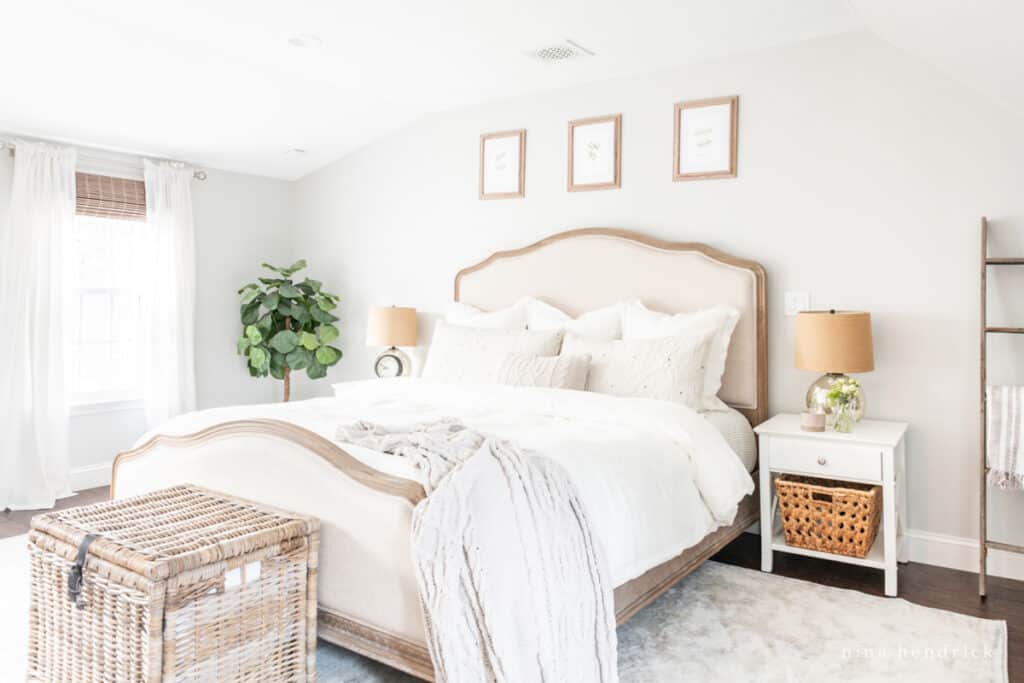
[955,552]
[91,476]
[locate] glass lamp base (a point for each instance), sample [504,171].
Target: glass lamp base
[815,401]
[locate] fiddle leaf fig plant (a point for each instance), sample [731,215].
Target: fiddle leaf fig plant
[287,325]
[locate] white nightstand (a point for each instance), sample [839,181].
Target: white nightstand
[874,453]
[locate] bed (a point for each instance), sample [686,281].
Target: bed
[368,600]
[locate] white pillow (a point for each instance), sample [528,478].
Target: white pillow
[463,355]
[668,369]
[510,318]
[553,372]
[603,323]
[639,322]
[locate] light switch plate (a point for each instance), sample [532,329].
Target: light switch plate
[796,302]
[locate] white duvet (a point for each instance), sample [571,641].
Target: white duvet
[655,477]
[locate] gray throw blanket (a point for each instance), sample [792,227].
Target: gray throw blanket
[513,585]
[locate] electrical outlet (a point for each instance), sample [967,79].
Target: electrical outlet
[796,302]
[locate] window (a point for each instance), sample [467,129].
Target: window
[107,290]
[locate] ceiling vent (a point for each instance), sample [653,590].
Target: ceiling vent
[560,52]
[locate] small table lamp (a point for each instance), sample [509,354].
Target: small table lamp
[833,342]
[391,326]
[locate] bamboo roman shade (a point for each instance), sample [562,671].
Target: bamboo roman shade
[109,197]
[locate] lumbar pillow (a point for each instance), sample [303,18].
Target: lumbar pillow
[510,318]
[639,322]
[668,369]
[603,323]
[471,355]
[553,372]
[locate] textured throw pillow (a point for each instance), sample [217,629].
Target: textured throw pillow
[511,318]
[668,369]
[639,322]
[603,323]
[461,355]
[553,372]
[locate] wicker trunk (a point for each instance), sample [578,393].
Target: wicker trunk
[182,584]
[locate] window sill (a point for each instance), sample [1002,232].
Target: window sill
[94,407]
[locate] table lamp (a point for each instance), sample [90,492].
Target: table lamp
[835,343]
[391,326]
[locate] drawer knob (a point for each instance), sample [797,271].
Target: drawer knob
[822,461]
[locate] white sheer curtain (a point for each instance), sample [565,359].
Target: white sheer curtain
[168,301]
[35,260]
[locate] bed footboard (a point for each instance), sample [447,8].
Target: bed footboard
[366,573]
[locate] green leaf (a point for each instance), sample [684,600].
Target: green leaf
[326,304]
[257,357]
[298,265]
[251,285]
[301,313]
[272,281]
[284,309]
[284,341]
[243,345]
[315,285]
[322,316]
[289,291]
[316,370]
[327,333]
[328,355]
[298,359]
[308,340]
[249,294]
[277,364]
[265,324]
[252,333]
[270,301]
[250,313]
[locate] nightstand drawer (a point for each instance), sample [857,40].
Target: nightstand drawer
[815,458]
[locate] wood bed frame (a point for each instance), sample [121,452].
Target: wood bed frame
[412,657]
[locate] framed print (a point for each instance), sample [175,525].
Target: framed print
[503,165]
[595,151]
[705,139]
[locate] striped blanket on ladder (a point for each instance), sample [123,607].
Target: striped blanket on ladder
[1005,436]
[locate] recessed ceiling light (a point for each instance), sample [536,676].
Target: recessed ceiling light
[305,40]
[295,153]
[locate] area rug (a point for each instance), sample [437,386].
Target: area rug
[721,623]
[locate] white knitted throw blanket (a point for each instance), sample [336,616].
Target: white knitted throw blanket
[513,585]
[1005,434]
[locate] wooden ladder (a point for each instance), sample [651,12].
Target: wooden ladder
[984,544]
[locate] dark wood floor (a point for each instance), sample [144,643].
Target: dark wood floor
[919,583]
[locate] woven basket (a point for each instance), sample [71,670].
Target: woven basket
[829,516]
[182,584]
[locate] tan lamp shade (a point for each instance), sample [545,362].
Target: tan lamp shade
[391,326]
[834,341]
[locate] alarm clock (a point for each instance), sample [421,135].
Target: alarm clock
[393,362]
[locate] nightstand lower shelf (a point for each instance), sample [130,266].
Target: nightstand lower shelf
[875,557]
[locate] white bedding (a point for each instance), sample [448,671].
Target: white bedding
[655,477]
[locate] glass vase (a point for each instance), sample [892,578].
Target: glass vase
[843,418]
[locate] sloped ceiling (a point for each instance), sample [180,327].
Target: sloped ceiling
[215,82]
[976,42]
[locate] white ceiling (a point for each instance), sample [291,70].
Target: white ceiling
[977,42]
[215,82]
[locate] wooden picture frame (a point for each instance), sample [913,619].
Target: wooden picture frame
[613,168]
[488,170]
[720,159]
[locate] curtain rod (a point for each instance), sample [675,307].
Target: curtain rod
[198,173]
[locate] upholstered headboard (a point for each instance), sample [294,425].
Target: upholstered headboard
[581,270]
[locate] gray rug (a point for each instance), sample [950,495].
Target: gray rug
[724,623]
[721,623]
